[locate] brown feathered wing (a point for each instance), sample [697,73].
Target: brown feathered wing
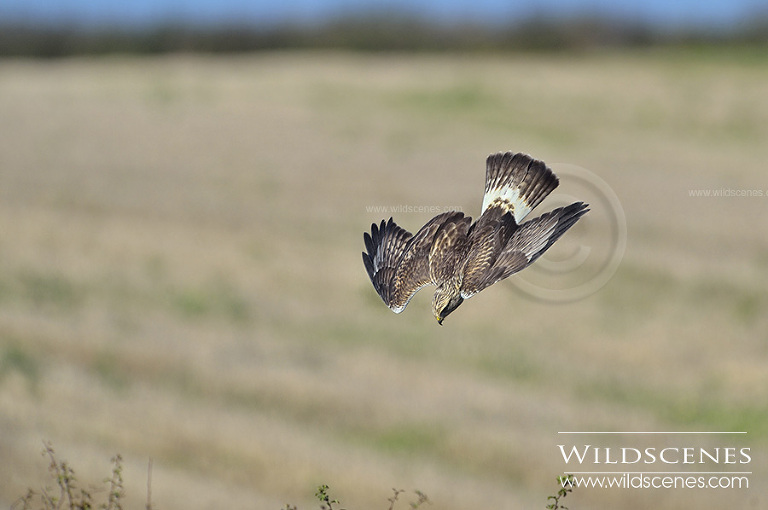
[398,263]
[525,245]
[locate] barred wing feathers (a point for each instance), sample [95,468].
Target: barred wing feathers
[488,238]
[385,246]
[534,237]
[398,263]
[449,246]
[526,244]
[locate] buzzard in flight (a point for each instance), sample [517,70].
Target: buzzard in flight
[460,257]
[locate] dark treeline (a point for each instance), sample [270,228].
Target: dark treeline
[368,33]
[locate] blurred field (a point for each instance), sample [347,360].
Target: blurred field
[180,274]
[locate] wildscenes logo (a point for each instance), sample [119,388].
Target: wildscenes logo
[669,455]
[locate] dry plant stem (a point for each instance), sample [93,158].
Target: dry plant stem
[149,485]
[394,497]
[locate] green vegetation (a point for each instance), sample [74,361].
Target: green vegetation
[561,493]
[51,289]
[70,494]
[15,358]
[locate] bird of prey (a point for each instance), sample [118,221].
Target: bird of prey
[462,258]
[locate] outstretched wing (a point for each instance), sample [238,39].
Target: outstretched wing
[397,262]
[385,245]
[525,245]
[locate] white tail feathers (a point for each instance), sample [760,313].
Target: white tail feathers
[516,183]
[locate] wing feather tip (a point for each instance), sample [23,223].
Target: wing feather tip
[368,263]
[369,247]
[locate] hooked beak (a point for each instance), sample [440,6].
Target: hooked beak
[440,320]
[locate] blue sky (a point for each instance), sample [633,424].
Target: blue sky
[90,12]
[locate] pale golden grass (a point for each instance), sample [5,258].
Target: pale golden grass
[181,274]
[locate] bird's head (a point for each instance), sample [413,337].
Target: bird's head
[445,300]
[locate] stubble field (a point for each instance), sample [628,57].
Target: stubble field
[180,275]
